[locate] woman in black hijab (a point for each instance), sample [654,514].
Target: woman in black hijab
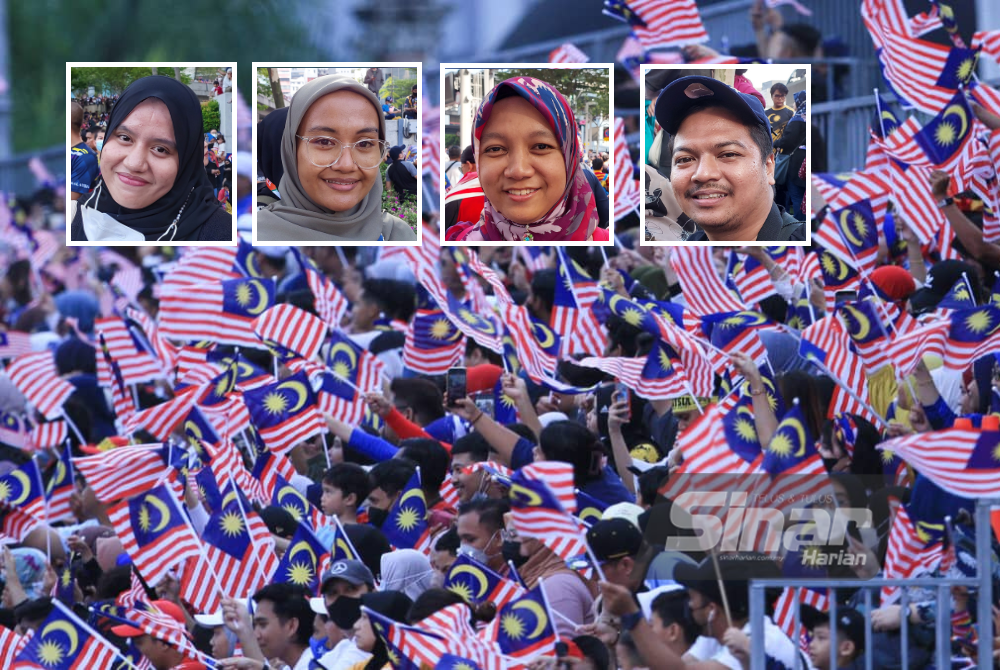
[403,181]
[153,185]
[269,131]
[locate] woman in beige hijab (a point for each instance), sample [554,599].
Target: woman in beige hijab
[331,149]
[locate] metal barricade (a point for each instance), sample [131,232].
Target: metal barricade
[16,177]
[983,583]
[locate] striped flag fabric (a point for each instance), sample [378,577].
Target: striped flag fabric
[667,23]
[17,525]
[826,342]
[48,434]
[65,642]
[14,344]
[410,647]
[331,304]
[127,275]
[753,281]
[907,555]
[522,350]
[200,265]
[124,471]
[10,643]
[962,461]
[543,502]
[14,431]
[160,420]
[122,401]
[973,333]
[35,375]
[285,413]
[288,328]
[659,376]
[792,599]
[238,553]
[406,526]
[60,486]
[154,532]
[433,343]
[136,362]
[270,469]
[476,583]
[452,622]
[142,326]
[581,331]
[568,53]
[23,488]
[510,629]
[791,458]
[219,312]
[430,152]
[627,196]
[703,289]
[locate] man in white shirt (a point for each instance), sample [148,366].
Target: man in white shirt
[283,624]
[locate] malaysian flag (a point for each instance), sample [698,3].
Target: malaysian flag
[331,305]
[61,486]
[568,53]
[36,376]
[293,501]
[14,344]
[22,488]
[238,553]
[907,555]
[852,234]
[864,323]
[48,435]
[125,471]
[433,343]
[122,401]
[154,532]
[627,197]
[10,642]
[572,318]
[285,413]
[790,457]
[477,584]
[523,627]
[735,332]
[286,328]
[660,24]
[962,461]
[826,343]
[522,350]
[790,602]
[659,376]
[137,361]
[946,135]
[199,265]
[588,508]
[305,560]
[160,420]
[268,469]
[430,152]
[542,505]
[406,526]
[143,328]
[65,642]
[341,548]
[752,279]
[220,311]
[409,647]
[14,431]
[973,333]
[703,289]
[452,622]
[127,276]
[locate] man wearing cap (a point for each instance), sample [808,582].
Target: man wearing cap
[343,585]
[850,638]
[160,654]
[722,162]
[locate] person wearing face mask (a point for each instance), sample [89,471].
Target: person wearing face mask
[343,586]
[388,479]
[480,523]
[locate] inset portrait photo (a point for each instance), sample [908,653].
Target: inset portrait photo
[150,149]
[527,154]
[337,149]
[726,154]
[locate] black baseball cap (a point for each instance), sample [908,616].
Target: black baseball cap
[686,92]
[611,539]
[850,623]
[941,278]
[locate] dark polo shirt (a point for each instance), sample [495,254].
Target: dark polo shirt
[775,229]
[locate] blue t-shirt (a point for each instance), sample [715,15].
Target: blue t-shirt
[84,168]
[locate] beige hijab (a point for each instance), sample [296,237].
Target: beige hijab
[296,217]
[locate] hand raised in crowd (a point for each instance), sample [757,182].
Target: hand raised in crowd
[989,119]
[378,403]
[236,616]
[939,184]
[514,388]
[602,630]
[618,600]
[79,546]
[747,368]
[738,644]
[613,280]
[618,415]
[918,420]
[465,408]
[547,403]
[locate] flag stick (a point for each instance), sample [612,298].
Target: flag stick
[590,553]
[548,608]
[722,586]
[326,449]
[201,545]
[516,574]
[878,106]
[45,497]
[76,431]
[343,533]
[604,254]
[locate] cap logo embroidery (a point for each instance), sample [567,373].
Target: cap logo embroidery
[698,91]
[338,568]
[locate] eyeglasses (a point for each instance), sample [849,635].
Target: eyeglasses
[326,151]
[509,535]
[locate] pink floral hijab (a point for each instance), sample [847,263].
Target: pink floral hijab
[574,217]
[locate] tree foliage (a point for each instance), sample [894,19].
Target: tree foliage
[578,86]
[113,80]
[44,36]
[210,116]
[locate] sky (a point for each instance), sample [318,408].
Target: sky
[758,74]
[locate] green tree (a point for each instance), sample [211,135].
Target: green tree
[578,86]
[44,36]
[210,117]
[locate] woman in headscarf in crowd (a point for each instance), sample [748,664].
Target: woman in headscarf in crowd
[402,175]
[406,570]
[331,148]
[391,604]
[269,132]
[153,185]
[528,157]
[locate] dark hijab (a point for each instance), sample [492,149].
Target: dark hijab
[391,604]
[269,132]
[191,189]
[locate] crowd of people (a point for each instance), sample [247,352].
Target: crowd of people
[349,457]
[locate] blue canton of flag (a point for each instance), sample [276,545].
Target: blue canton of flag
[945,135]
[959,68]
[304,561]
[885,123]
[247,298]
[588,508]
[476,583]
[620,10]
[288,498]
[959,296]
[790,444]
[64,642]
[856,224]
[406,523]
[741,431]
[524,627]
